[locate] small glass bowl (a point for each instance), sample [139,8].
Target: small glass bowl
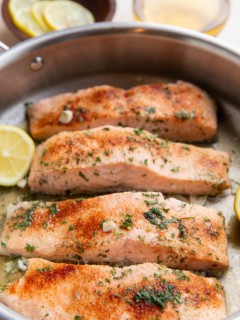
[208,16]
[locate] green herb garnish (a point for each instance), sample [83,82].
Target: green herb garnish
[53,209]
[184,115]
[155,214]
[82,176]
[127,223]
[27,219]
[29,248]
[157,297]
[138,131]
[44,269]
[150,110]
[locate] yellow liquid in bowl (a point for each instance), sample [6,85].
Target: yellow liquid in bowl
[208,16]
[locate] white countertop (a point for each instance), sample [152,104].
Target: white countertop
[229,34]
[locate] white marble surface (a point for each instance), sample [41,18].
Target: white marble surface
[230,32]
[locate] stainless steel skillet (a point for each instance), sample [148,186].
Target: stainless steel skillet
[126,55]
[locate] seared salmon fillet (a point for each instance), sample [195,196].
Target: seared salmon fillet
[117,159]
[143,292]
[118,228]
[91,107]
[180,111]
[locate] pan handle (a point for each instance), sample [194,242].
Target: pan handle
[3,47]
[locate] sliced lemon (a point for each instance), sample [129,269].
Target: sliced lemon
[237,203]
[15,5]
[37,10]
[20,12]
[16,152]
[61,14]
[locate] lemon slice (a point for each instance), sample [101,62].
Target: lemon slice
[237,203]
[37,10]
[16,152]
[61,14]
[20,12]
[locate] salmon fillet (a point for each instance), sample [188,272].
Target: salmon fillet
[92,107]
[117,159]
[143,228]
[180,112]
[143,292]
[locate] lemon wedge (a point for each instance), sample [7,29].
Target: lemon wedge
[20,12]
[37,10]
[61,14]
[237,203]
[16,152]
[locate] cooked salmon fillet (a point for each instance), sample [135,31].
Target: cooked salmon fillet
[143,228]
[92,107]
[117,159]
[143,292]
[180,111]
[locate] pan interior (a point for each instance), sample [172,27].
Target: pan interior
[228,140]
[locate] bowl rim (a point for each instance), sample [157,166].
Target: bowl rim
[225,11]
[23,36]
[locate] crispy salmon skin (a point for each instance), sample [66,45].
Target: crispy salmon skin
[179,112]
[119,228]
[142,292]
[117,159]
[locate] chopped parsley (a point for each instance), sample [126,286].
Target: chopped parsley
[53,209]
[150,110]
[44,269]
[155,214]
[145,162]
[3,244]
[82,176]
[150,195]
[158,297]
[184,115]
[181,275]
[182,230]
[106,152]
[164,143]
[151,202]
[29,248]
[138,131]
[81,109]
[127,223]
[123,274]
[27,219]
[218,287]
